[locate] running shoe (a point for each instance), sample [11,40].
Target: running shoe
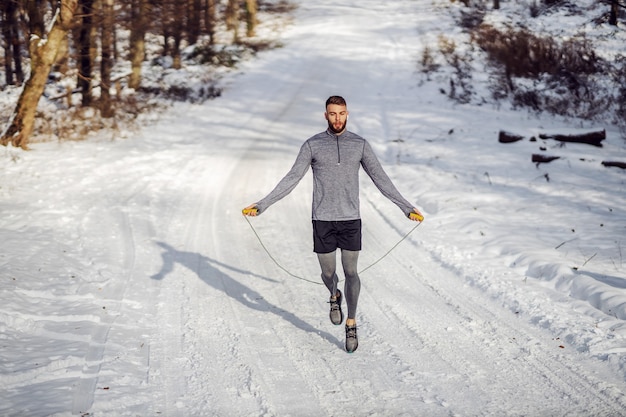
[336,315]
[352,342]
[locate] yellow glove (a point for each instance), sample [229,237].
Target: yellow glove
[416,216]
[250,211]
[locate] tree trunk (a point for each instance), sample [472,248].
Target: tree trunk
[172,20]
[193,21]
[5,20]
[106,63]
[43,54]
[35,10]
[62,62]
[496,4]
[232,18]
[614,12]
[210,20]
[139,10]
[10,33]
[17,56]
[84,51]
[178,28]
[251,8]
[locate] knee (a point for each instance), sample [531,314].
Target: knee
[327,276]
[352,276]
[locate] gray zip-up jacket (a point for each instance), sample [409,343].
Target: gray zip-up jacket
[335,160]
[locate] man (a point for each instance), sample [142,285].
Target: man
[335,157]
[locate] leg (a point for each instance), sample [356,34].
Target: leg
[328,264]
[352,289]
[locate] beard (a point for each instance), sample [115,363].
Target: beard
[335,130]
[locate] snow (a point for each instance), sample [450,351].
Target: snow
[132,286]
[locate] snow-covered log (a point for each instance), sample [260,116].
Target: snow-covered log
[594,138]
[508,137]
[543,159]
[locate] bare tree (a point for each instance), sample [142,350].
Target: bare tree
[35,10]
[194,11]
[42,53]
[85,12]
[106,63]
[172,21]
[615,6]
[12,44]
[232,18]
[251,9]
[138,13]
[177,31]
[210,19]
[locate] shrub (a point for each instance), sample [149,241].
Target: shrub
[543,74]
[460,81]
[524,54]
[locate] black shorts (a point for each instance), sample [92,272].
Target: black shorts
[328,236]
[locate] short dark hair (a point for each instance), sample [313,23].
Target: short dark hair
[336,100]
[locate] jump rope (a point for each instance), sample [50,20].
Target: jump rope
[413,216]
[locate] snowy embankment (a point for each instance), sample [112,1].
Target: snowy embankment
[131,285]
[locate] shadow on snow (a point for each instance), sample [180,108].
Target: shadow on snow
[209,271]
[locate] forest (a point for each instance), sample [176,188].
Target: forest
[88,41]
[94,53]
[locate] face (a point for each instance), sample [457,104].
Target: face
[337,116]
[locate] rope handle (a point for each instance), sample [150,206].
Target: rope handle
[250,211]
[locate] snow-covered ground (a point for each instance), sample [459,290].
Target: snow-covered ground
[132,286]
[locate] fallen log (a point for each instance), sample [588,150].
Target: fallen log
[543,159]
[508,137]
[590,138]
[617,164]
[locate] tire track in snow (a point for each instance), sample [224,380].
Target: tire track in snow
[489,351]
[112,295]
[264,327]
[137,215]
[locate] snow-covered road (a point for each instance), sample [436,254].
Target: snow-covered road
[133,286]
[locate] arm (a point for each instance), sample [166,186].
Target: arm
[374,169]
[286,185]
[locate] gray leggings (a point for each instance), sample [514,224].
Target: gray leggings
[352,287]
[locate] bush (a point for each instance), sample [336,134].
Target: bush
[524,54]
[544,75]
[461,79]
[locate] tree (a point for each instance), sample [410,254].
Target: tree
[177,32]
[138,13]
[106,63]
[614,12]
[12,47]
[194,11]
[85,61]
[43,54]
[232,18]
[251,8]
[172,22]
[210,20]
[35,10]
